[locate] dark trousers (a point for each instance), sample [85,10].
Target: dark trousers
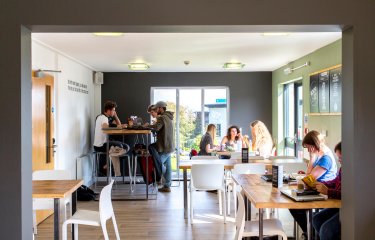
[300,216]
[327,224]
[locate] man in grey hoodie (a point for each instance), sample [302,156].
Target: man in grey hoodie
[164,141]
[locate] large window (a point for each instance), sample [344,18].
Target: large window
[293,115]
[194,108]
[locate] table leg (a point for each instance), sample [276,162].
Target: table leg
[260,223]
[185,194]
[74,208]
[247,209]
[56,223]
[108,163]
[309,225]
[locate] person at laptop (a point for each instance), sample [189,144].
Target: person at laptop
[327,221]
[322,166]
[206,144]
[164,141]
[261,139]
[153,113]
[107,119]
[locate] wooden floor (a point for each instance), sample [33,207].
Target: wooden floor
[162,219]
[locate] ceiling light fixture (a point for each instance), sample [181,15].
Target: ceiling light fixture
[274,34]
[233,66]
[138,66]
[108,34]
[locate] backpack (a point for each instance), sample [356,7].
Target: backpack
[84,193]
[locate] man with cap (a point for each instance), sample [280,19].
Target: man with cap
[164,141]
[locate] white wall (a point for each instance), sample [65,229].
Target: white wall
[74,111]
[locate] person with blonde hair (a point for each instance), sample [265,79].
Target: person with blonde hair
[261,138]
[207,142]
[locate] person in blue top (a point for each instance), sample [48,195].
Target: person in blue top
[322,166]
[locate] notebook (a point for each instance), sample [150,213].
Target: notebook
[305,198]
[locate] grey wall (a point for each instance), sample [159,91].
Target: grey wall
[250,93]
[188,16]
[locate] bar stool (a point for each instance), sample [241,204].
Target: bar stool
[95,165]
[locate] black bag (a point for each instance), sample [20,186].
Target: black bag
[84,193]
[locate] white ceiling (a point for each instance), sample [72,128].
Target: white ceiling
[166,52]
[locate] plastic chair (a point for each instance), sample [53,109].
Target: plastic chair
[243,168]
[94,218]
[271,227]
[48,203]
[207,177]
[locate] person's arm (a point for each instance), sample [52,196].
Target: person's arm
[209,149]
[158,124]
[117,120]
[322,166]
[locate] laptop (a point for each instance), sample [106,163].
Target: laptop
[291,193]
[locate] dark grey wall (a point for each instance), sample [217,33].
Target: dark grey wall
[250,93]
[188,16]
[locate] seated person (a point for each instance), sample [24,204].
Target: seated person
[153,113]
[207,142]
[322,166]
[261,138]
[107,119]
[232,138]
[327,221]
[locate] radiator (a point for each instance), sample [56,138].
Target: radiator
[84,169]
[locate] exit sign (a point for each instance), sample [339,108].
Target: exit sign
[221,100]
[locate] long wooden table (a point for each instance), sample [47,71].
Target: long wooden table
[228,165]
[262,195]
[57,189]
[124,131]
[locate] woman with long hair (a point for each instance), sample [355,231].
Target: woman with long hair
[207,142]
[261,138]
[232,137]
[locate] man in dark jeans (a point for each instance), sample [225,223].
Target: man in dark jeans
[164,141]
[107,119]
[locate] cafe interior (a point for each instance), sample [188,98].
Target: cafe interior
[290,81]
[303,69]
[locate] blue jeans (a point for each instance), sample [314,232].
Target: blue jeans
[165,159]
[327,224]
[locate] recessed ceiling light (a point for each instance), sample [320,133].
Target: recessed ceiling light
[233,66]
[271,34]
[108,34]
[138,66]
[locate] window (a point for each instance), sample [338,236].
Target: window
[195,108]
[293,115]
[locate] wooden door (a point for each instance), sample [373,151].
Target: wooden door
[42,127]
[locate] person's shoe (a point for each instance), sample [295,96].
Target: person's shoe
[164,189]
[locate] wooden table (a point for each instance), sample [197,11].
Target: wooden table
[57,189]
[262,195]
[123,131]
[228,165]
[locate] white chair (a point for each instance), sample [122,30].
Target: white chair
[271,227]
[48,203]
[243,168]
[204,157]
[207,177]
[94,218]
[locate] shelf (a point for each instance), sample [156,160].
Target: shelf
[325,114]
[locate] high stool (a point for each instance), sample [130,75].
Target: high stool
[95,165]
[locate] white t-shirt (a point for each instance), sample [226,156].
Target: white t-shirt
[100,137]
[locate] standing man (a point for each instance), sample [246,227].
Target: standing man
[164,141]
[107,119]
